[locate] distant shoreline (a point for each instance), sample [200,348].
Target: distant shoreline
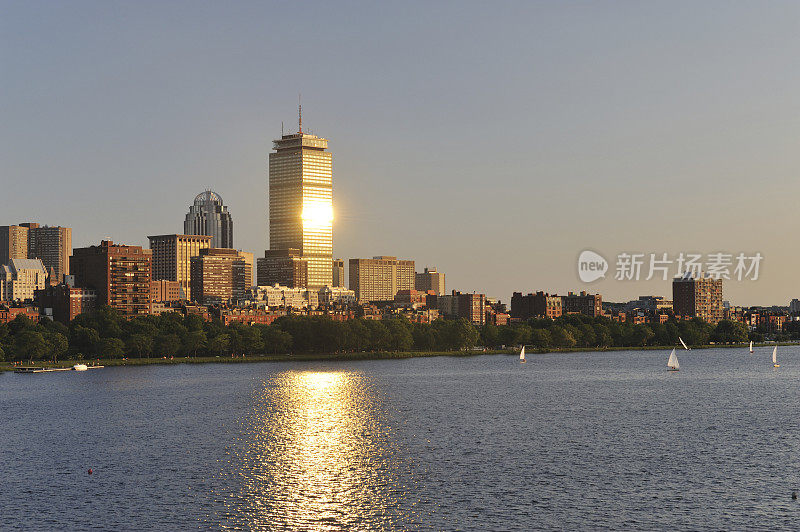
[348,357]
[310,357]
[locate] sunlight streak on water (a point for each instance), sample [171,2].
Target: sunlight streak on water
[315,456]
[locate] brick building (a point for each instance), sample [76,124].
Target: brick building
[697,296]
[64,303]
[538,305]
[218,276]
[119,274]
[583,303]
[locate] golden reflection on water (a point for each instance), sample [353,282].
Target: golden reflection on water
[316,457]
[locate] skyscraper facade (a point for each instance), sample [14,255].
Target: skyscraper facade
[208,216]
[172,256]
[301,202]
[13,243]
[338,273]
[53,245]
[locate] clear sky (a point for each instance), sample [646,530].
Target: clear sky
[494,140]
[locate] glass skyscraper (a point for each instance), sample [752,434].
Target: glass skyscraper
[301,203]
[208,216]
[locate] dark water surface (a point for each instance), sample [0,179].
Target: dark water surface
[571,441]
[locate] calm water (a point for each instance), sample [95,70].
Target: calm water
[574,441]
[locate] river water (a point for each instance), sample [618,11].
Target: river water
[567,441]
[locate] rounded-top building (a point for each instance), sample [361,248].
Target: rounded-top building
[208,216]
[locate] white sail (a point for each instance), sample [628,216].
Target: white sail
[672,363]
[522,354]
[775,355]
[683,343]
[751,346]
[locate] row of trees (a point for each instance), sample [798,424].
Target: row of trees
[105,334]
[577,330]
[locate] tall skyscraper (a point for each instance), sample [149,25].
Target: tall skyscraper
[53,245]
[13,243]
[172,256]
[338,273]
[208,216]
[301,202]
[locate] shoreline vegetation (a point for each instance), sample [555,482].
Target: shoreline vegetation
[107,338]
[349,357]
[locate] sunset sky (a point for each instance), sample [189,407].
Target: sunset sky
[495,141]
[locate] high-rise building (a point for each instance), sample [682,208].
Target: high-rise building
[285,267]
[301,202]
[119,274]
[430,280]
[697,295]
[208,216]
[248,273]
[380,278]
[338,273]
[52,245]
[172,256]
[219,276]
[13,243]
[21,278]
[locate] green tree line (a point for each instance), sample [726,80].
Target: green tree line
[106,334]
[576,330]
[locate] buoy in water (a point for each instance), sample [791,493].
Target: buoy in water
[90,471]
[794,495]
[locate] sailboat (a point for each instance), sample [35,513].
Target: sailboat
[672,363]
[522,355]
[751,347]
[683,343]
[775,357]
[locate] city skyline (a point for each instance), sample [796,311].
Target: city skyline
[635,131]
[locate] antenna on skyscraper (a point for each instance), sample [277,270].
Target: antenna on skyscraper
[281,128]
[299,113]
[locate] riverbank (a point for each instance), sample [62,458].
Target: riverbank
[68,363]
[332,357]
